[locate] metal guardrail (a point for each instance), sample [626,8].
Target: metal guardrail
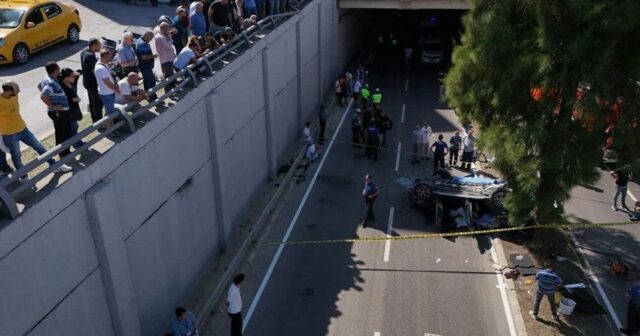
[126,115]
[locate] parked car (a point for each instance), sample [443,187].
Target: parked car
[432,51]
[476,199]
[28,26]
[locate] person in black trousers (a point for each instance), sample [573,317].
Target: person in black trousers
[322,118]
[439,149]
[88,61]
[633,311]
[234,305]
[69,81]
[370,193]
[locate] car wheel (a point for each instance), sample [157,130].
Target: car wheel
[443,174]
[73,34]
[498,197]
[422,193]
[20,54]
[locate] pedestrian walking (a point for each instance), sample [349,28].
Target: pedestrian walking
[370,193]
[622,176]
[146,61]
[365,95]
[426,136]
[416,143]
[356,128]
[339,87]
[88,62]
[166,51]
[184,324]
[14,130]
[53,96]
[322,121]
[454,148]
[371,150]
[357,86]
[408,55]
[548,282]
[234,305]
[468,148]
[385,124]
[439,149]
[633,311]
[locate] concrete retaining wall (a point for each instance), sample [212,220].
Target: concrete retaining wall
[117,247]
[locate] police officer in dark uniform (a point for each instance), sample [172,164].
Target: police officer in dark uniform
[372,140]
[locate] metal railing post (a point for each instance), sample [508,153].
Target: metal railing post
[125,115]
[9,203]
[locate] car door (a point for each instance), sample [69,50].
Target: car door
[35,29]
[439,220]
[54,21]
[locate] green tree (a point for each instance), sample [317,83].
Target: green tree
[517,72]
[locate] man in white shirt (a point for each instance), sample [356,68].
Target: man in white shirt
[129,90]
[188,55]
[107,87]
[306,133]
[312,152]
[234,305]
[426,135]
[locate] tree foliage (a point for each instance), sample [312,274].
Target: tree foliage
[542,79]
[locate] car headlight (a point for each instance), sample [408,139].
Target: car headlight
[2,40]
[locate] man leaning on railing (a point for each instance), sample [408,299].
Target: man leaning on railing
[14,130]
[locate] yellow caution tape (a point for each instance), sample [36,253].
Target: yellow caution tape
[450,234]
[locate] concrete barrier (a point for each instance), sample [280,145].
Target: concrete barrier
[113,250]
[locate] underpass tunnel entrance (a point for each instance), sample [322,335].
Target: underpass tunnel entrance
[431,34]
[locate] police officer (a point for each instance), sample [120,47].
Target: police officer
[376,99]
[372,140]
[370,193]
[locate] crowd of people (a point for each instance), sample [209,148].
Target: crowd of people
[111,72]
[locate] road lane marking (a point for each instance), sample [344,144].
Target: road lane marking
[403,108]
[406,85]
[398,156]
[594,278]
[293,222]
[428,334]
[387,244]
[377,333]
[503,295]
[631,195]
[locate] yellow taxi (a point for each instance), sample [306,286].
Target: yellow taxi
[28,26]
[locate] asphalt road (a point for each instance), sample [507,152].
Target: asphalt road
[593,204]
[99,18]
[439,286]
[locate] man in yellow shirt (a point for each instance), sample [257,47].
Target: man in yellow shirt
[14,130]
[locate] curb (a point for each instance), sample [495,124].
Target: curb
[516,313]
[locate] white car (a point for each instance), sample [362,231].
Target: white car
[432,51]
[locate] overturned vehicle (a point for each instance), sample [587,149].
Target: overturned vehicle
[461,202]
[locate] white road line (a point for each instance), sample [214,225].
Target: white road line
[503,295]
[428,334]
[398,156]
[403,108]
[293,222]
[377,333]
[631,196]
[603,295]
[387,243]
[406,85]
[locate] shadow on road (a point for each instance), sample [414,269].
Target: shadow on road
[54,53]
[133,13]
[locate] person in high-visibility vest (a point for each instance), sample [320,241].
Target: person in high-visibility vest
[365,94]
[376,99]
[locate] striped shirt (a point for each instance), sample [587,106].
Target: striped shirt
[547,281]
[51,88]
